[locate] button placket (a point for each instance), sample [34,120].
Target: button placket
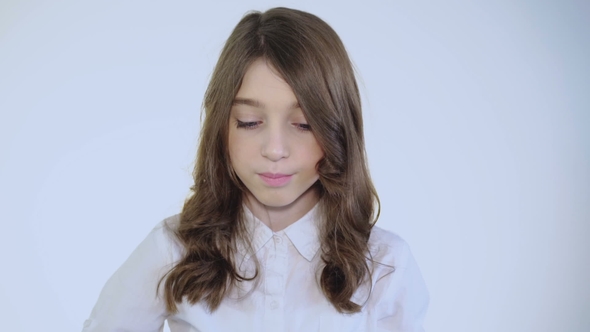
[276,274]
[277,239]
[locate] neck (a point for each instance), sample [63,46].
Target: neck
[280,217]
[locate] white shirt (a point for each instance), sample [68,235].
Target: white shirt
[287,298]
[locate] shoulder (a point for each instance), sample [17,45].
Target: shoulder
[397,287]
[163,236]
[128,295]
[387,247]
[400,296]
[168,225]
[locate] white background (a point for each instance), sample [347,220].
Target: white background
[477,124]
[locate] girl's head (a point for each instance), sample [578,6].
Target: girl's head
[309,57]
[282,100]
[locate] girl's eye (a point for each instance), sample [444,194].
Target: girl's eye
[303,126]
[247,124]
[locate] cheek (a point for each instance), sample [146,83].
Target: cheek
[316,149]
[241,148]
[314,153]
[233,146]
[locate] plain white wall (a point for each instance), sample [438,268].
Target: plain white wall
[477,118]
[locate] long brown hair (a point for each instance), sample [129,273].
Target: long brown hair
[311,58]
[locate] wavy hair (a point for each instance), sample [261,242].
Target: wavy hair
[311,58]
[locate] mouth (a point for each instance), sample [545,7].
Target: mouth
[275,179]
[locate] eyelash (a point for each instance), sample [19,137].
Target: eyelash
[248,125]
[303,127]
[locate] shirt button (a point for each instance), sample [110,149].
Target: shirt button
[277,239]
[274,305]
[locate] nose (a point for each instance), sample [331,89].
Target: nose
[276,144]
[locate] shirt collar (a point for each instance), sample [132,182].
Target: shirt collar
[303,233]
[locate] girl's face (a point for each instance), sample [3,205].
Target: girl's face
[271,146]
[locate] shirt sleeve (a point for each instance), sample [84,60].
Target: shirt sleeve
[128,301]
[404,296]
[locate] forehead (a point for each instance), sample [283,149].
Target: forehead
[263,84]
[262,69]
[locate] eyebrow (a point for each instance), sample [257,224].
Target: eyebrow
[258,104]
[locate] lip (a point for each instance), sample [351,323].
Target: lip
[275,179]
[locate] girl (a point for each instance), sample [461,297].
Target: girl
[278,234]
